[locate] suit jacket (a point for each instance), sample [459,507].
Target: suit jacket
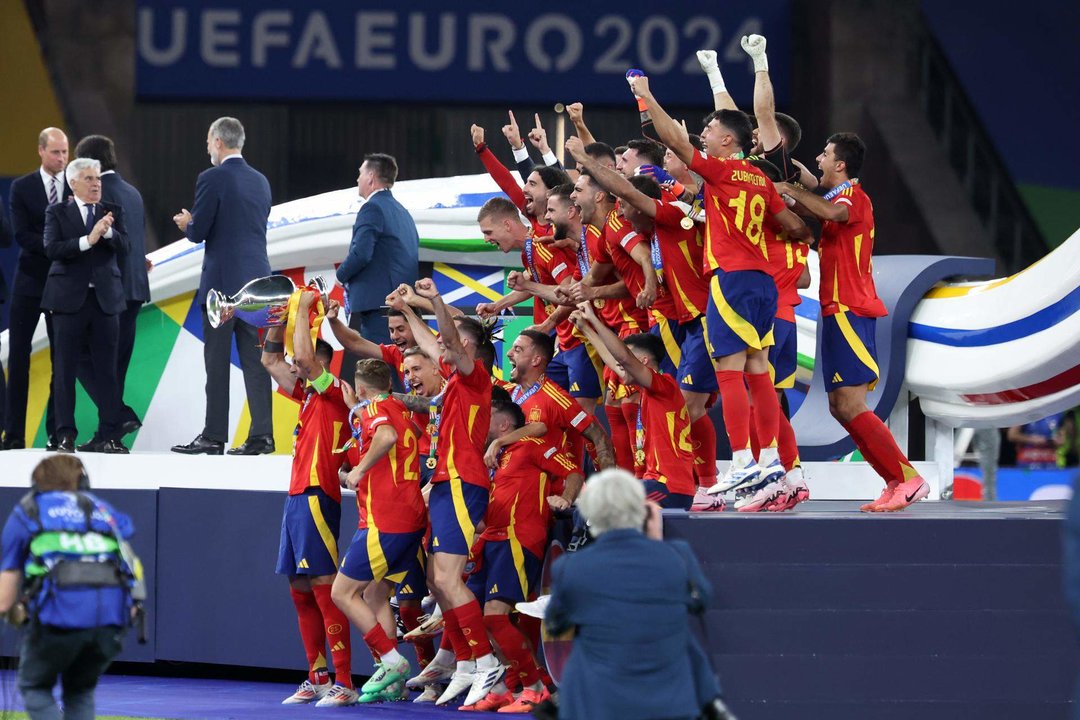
[132,263]
[73,269]
[384,252]
[628,597]
[28,202]
[232,203]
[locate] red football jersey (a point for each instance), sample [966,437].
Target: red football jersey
[518,508]
[620,314]
[786,263]
[665,424]
[738,199]
[462,426]
[388,496]
[845,255]
[563,416]
[322,428]
[545,263]
[682,250]
[620,245]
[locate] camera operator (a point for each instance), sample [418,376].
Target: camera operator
[68,573]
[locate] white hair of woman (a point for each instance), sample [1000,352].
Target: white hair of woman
[613,499]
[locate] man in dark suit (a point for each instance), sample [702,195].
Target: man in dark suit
[5,241]
[30,195]
[132,263]
[384,253]
[232,204]
[85,295]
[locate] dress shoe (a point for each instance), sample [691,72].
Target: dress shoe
[95,444]
[200,446]
[53,445]
[113,447]
[64,445]
[255,446]
[129,426]
[13,444]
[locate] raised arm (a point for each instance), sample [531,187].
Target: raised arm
[303,348]
[498,172]
[722,100]
[451,339]
[670,132]
[610,180]
[642,255]
[420,329]
[273,358]
[764,100]
[576,112]
[351,340]
[614,351]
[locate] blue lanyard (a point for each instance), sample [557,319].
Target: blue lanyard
[584,262]
[657,259]
[498,459]
[639,434]
[435,418]
[529,258]
[841,188]
[520,396]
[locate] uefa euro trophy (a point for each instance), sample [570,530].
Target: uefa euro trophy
[260,303]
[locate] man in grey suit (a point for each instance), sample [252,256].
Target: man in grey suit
[232,203]
[383,254]
[133,275]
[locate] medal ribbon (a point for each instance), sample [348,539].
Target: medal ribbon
[841,188]
[519,395]
[583,260]
[529,258]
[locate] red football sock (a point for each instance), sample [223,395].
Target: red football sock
[514,647]
[755,445]
[337,635]
[620,439]
[410,618]
[471,620]
[871,433]
[789,448]
[630,413]
[866,451]
[312,633]
[452,629]
[736,408]
[703,437]
[444,639]
[378,641]
[766,408]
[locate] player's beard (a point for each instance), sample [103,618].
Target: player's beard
[561,231]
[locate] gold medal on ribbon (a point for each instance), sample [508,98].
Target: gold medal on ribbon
[686,223]
[639,457]
[599,304]
[431,462]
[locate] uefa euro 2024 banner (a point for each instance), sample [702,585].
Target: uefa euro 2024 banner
[466,51]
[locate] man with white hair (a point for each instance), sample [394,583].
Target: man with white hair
[85,295]
[628,596]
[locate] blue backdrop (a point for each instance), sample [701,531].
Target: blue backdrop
[468,51]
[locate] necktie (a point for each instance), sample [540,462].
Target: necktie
[52,191]
[89,219]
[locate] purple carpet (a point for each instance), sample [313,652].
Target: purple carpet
[226,700]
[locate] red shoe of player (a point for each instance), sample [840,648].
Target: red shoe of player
[491,703]
[883,499]
[526,701]
[907,493]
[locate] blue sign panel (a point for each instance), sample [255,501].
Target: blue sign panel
[467,51]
